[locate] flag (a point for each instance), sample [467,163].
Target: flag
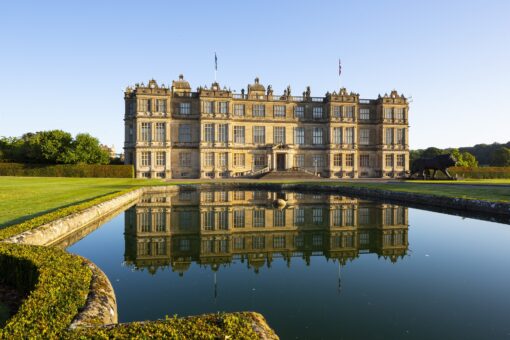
[215,62]
[339,67]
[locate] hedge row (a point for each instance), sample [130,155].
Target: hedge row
[66,170]
[481,172]
[58,283]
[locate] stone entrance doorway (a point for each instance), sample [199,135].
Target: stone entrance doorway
[280,161]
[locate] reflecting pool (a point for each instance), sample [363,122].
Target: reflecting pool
[323,266]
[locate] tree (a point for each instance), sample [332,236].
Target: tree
[431,152]
[53,146]
[87,150]
[500,157]
[464,159]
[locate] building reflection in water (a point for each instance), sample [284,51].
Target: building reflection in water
[213,228]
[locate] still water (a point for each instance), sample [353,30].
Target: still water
[322,267]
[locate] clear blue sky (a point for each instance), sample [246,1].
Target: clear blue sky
[63,64]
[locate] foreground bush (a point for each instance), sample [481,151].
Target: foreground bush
[56,282]
[66,170]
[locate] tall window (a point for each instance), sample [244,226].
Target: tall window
[349,111]
[223,159]
[317,136]
[258,242]
[279,218]
[259,110]
[389,160]
[222,133]
[388,113]
[260,160]
[349,135]
[209,133]
[364,136]
[223,220]
[259,218]
[146,158]
[239,159]
[299,216]
[239,134]
[160,158]
[238,218]
[146,132]
[279,110]
[299,161]
[389,136]
[208,217]
[259,134]
[239,109]
[364,160]
[209,159]
[185,108]
[160,132]
[401,160]
[317,112]
[144,105]
[317,215]
[318,160]
[337,135]
[337,111]
[299,135]
[185,159]
[185,133]
[364,114]
[337,159]
[223,107]
[208,107]
[279,135]
[401,136]
[349,159]
[161,105]
[399,113]
[299,112]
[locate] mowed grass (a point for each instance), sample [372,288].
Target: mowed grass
[22,198]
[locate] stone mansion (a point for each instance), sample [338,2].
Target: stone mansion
[174,132]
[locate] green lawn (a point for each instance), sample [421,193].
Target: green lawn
[22,198]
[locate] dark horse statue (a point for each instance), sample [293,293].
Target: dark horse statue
[441,162]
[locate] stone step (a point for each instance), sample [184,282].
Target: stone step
[288,174]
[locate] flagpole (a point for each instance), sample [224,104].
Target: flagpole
[339,74]
[215,66]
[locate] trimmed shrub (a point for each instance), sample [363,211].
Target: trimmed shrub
[481,172]
[58,283]
[66,170]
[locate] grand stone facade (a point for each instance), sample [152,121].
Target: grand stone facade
[213,132]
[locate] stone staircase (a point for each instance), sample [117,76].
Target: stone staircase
[287,174]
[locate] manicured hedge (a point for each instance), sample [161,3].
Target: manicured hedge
[66,170]
[58,283]
[210,326]
[481,172]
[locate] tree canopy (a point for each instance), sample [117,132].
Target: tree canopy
[53,147]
